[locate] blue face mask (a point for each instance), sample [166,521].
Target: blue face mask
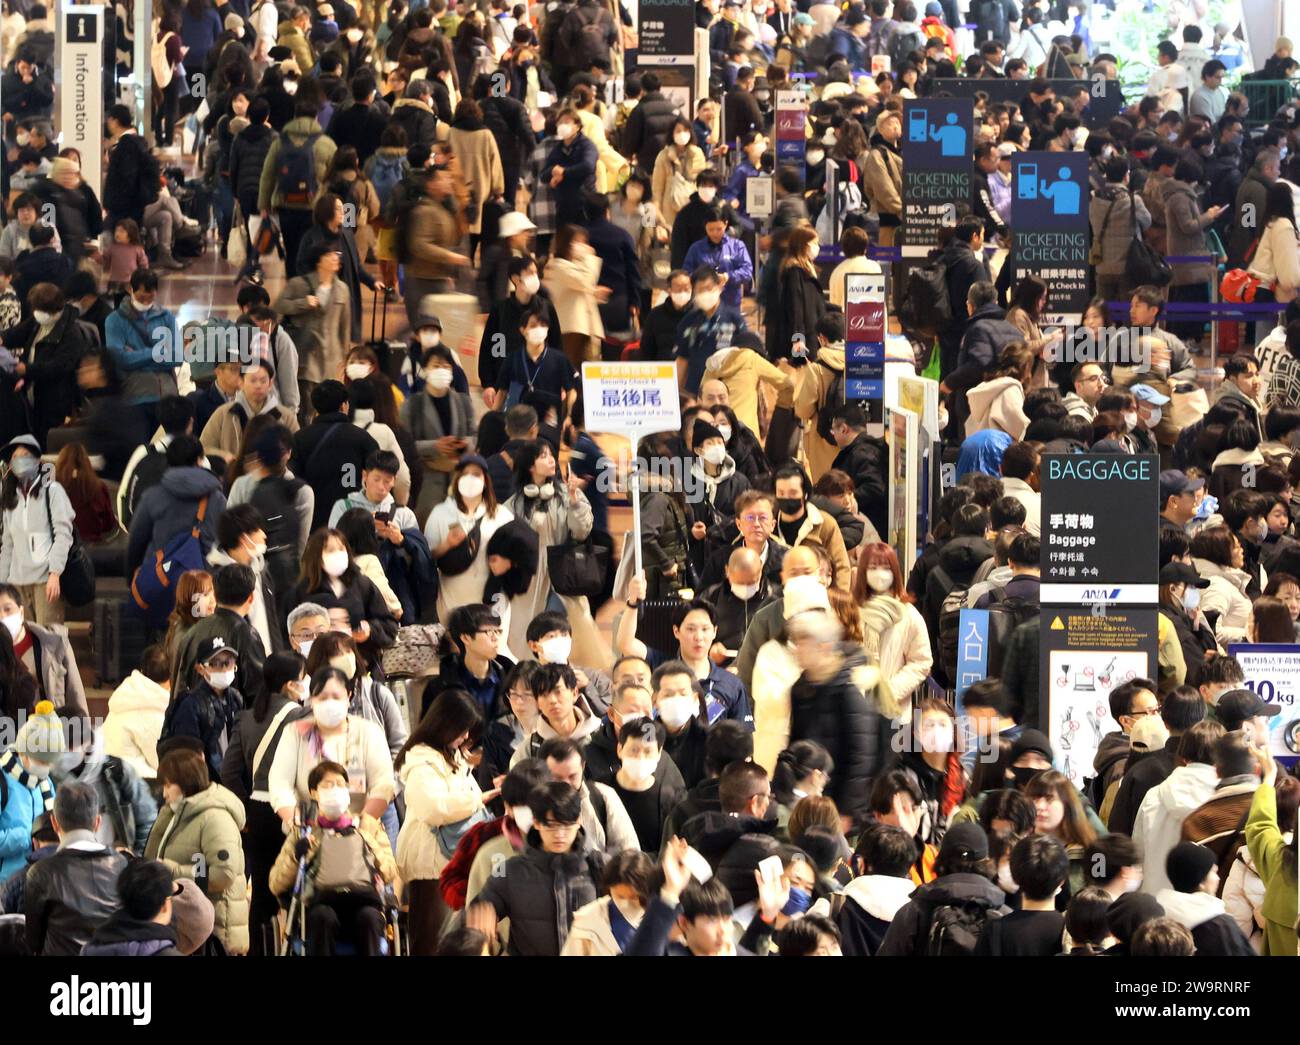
[800,900]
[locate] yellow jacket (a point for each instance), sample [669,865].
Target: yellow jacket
[742,370]
[609,162]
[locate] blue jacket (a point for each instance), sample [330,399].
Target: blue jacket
[24,803]
[735,191]
[845,43]
[144,346]
[204,713]
[730,258]
[699,336]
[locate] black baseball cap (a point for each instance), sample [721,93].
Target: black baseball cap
[1173,482]
[1181,573]
[1237,705]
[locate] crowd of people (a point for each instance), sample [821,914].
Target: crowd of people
[385,680]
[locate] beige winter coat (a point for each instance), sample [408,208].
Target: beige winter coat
[480,162]
[437,793]
[572,286]
[998,403]
[321,332]
[1277,259]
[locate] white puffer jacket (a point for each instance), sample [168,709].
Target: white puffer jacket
[1159,823]
[1226,595]
[437,793]
[135,720]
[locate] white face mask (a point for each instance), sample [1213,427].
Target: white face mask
[141,306]
[879,580]
[639,770]
[258,550]
[23,138]
[290,87]
[45,319]
[346,663]
[682,138]
[470,486]
[536,335]
[707,300]
[556,650]
[564,130]
[222,680]
[1005,882]
[530,284]
[725,432]
[707,195]
[40,770]
[675,712]
[438,379]
[357,371]
[430,338]
[333,802]
[1156,415]
[744,592]
[814,157]
[681,298]
[330,713]
[715,454]
[523,817]
[334,564]
[13,624]
[304,647]
[1130,419]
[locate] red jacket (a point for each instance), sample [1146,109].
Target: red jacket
[454,880]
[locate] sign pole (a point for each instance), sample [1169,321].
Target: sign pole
[635,490]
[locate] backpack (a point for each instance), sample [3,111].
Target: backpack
[207,720]
[1006,613]
[834,400]
[152,587]
[162,69]
[852,207]
[385,174]
[958,929]
[954,601]
[588,39]
[904,41]
[926,309]
[991,17]
[296,171]
[276,497]
[342,864]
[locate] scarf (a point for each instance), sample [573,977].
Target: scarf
[12,766]
[879,613]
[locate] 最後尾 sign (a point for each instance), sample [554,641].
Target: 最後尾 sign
[1100,529]
[631,398]
[1049,212]
[938,138]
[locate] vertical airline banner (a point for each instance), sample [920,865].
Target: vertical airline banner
[901,435]
[1049,213]
[80,88]
[666,32]
[864,343]
[938,138]
[791,120]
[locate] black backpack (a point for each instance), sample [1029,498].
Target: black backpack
[296,170]
[834,400]
[991,18]
[954,601]
[926,309]
[958,929]
[1006,613]
[148,472]
[276,498]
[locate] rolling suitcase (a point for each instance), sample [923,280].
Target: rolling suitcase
[394,355]
[119,639]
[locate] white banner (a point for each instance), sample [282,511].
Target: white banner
[81,89]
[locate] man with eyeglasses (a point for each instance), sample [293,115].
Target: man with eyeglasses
[1130,703]
[476,668]
[307,622]
[756,521]
[1089,383]
[540,889]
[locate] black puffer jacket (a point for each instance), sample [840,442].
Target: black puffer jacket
[539,892]
[838,716]
[909,930]
[247,157]
[69,896]
[958,561]
[647,129]
[131,181]
[866,462]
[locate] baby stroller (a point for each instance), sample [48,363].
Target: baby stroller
[334,867]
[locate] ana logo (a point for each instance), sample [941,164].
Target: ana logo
[1108,595]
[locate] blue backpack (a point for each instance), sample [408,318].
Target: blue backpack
[385,174]
[154,585]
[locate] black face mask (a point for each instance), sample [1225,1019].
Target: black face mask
[790,505]
[1024,774]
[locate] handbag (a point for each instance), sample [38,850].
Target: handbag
[1143,265]
[1239,286]
[461,557]
[267,238]
[415,653]
[577,568]
[77,581]
[449,835]
[341,864]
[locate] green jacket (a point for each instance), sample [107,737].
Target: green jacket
[299,129]
[201,839]
[1268,851]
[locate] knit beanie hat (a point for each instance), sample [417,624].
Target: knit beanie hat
[1032,740]
[1187,865]
[192,916]
[805,593]
[41,737]
[702,431]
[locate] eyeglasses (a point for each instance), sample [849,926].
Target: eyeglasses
[494,633]
[544,826]
[521,694]
[1144,714]
[761,520]
[312,633]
